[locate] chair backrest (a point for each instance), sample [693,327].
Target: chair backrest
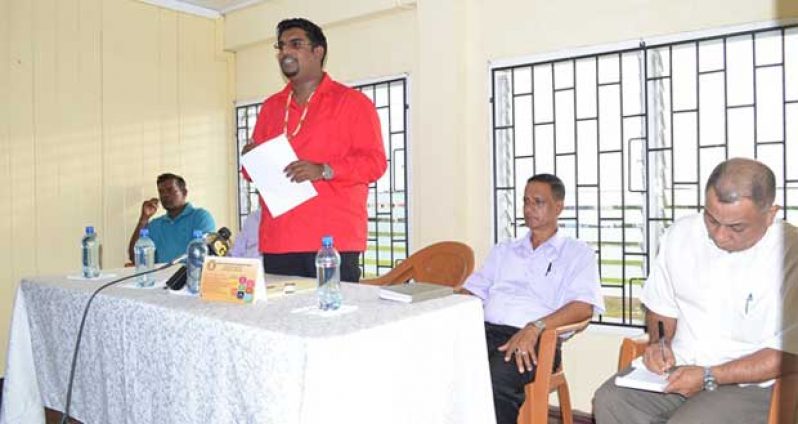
[447,262]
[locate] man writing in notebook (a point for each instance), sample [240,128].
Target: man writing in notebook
[336,135]
[541,280]
[724,286]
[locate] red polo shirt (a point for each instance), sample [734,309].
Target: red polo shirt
[341,129]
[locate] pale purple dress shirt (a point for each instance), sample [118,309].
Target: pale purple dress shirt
[518,284]
[247,244]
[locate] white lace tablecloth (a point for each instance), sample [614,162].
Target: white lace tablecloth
[151,356]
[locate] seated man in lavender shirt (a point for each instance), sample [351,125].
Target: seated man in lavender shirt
[247,244]
[541,280]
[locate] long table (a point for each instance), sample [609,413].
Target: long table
[148,355]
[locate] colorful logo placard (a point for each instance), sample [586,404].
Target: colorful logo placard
[235,280]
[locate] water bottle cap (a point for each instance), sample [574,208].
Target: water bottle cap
[144,232]
[197,234]
[89,229]
[327,241]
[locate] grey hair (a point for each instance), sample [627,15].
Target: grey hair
[739,178]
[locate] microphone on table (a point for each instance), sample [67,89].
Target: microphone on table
[218,242]
[218,245]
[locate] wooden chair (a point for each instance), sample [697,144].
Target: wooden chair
[446,262]
[631,348]
[783,401]
[535,409]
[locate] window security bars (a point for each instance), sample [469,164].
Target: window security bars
[634,134]
[387,198]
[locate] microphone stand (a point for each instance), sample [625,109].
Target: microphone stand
[65,415]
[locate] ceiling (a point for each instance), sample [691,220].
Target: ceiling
[208,8]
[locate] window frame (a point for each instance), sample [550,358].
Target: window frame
[596,52]
[397,247]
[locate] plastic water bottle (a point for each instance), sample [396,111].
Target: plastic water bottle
[197,250]
[144,257]
[328,272]
[90,253]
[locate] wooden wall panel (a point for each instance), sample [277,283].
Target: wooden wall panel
[98,98]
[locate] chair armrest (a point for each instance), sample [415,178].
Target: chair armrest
[547,347]
[572,328]
[631,348]
[549,338]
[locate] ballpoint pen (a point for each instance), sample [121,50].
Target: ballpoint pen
[661,331]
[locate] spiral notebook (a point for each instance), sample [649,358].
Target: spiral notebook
[641,378]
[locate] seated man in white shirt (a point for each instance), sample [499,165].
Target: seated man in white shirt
[542,279]
[721,285]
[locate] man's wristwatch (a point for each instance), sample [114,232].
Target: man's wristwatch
[539,324]
[326,172]
[710,384]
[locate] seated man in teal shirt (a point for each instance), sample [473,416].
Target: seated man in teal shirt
[172,231]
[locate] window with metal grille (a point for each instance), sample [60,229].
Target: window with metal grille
[387,198]
[246,116]
[634,133]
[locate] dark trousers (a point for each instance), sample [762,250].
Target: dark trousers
[303,264]
[508,383]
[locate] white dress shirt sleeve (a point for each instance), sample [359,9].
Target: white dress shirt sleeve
[583,284]
[658,289]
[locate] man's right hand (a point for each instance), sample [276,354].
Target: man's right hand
[522,346]
[658,359]
[247,147]
[148,209]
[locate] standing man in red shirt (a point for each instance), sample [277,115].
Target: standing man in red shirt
[336,135]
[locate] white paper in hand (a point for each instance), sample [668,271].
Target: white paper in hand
[265,164]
